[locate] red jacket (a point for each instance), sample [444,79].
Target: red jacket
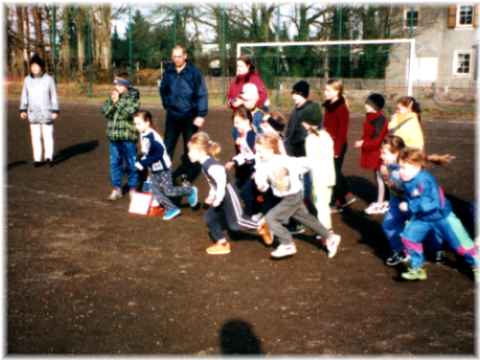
[335,121]
[237,84]
[375,128]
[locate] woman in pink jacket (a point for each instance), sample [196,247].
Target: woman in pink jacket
[246,74]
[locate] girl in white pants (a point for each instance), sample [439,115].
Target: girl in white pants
[39,104]
[319,150]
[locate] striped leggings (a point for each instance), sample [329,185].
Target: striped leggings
[228,215]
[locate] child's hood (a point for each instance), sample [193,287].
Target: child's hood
[134,93]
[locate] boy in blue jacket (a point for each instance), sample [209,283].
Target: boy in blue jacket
[157,160]
[429,210]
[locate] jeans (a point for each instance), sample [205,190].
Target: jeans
[174,127]
[123,153]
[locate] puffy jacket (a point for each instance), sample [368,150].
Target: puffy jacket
[184,94]
[375,127]
[236,87]
[426,199]
[296,134]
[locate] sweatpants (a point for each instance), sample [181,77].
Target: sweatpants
[163,189]
[393,224]
[228,215]
[292,206]
[37,133]
[449,228]
[322,196]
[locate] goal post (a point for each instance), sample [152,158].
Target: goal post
[411,53]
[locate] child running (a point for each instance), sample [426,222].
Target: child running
[430,211]
[284,175]
[155,157]
[225,210]
[375,127]
[406,122]
[395,220]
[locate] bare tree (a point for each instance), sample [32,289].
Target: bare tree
[39,44]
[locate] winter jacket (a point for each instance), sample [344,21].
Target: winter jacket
[426,199]
[236,87]
[155,155]
[296,134]
[39,99]
[184,94]
[407,126]
[335,121]
[319,151]
[375,128]
[120,125]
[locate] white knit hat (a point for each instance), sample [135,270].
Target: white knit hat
[249,92]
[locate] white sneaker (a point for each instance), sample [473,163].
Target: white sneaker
[332,244]
[115,195]
[256,217]
[283,251]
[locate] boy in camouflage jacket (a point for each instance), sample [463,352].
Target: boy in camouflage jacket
[119,109]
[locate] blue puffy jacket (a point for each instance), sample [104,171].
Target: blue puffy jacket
[184,94]
[426,199]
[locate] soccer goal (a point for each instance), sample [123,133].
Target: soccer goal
[388,60]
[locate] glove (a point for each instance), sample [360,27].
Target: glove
[403,206]
[139,166]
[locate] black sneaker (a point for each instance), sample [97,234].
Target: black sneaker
[396,258]
[37,163]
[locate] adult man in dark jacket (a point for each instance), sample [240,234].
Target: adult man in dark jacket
[185,99]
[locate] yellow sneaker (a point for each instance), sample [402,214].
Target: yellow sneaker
[219,249]
[265,233]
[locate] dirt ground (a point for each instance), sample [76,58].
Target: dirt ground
[86,277]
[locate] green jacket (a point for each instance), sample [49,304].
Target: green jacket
[120,125]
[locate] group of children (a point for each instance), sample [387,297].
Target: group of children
[278,175]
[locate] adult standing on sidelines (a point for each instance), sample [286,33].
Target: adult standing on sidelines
[185,99]
[246,74]
[39,104]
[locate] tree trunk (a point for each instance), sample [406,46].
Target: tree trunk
[65,47]
[37,21]
[80,22]
[20,63]
[104,36]
[26,18]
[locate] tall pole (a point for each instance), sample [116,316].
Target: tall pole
[340,26]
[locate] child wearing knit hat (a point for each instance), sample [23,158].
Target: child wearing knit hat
[375,128]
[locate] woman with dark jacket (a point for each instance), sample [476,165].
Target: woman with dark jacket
[336,121]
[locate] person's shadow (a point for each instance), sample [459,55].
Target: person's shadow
[74,150]
[238,337]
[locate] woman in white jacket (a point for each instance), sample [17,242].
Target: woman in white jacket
[39,104]
[320,152]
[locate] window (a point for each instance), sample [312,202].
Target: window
[462,63]
[465,15]
[411,18]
